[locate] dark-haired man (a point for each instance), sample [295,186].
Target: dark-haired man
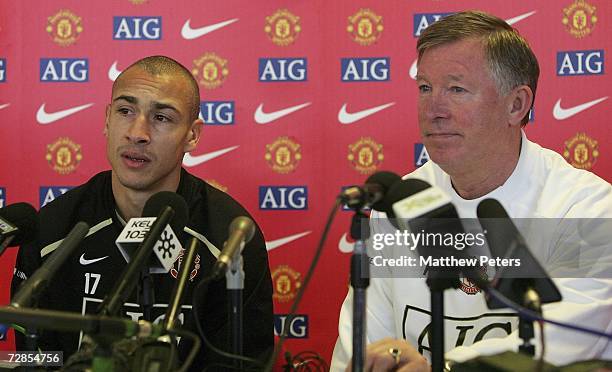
[477,80]
[151,122]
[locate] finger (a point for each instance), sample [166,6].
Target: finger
[416,365]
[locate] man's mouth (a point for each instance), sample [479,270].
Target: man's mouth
[135,157]
[441,135]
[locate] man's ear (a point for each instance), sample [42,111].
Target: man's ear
[106,119]
[519,104]
[193,137]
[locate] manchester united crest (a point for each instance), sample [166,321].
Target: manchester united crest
[283,155]
[210,70]
[176,266]
[64,155]
[283,27]
[581,151]
[365,27]
[365,155]
[579,18]
[64,27]
[468,286]
[286,282]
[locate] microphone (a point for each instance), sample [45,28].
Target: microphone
[167,206]
[31,288]
[75,322]
[371,193]
[241,231]
[168,248]
[412,198]
[415,205]
[18,225]
[505,241]
[428,211]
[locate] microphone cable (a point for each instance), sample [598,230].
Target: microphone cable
[531,315]
[300,293]
[198,289]
[194,350]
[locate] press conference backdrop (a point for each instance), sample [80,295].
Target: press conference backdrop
[299,99]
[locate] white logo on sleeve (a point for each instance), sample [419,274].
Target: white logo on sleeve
[83,261]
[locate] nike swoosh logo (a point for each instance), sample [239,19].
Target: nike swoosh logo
[83,261]
[510,21]
[191,161]
[189,33]
[519,18]
[273,244]
[344,245]
[413,69]
[561,114]
[113,73]
[44,117]
[262,117]
[349,118]
[5,105]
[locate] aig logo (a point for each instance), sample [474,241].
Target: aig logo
[2,70]
[580,62]
[217,112]
[64,70]
[297,328]
[283,197]
[423,20]
[282,69]
[420,155]
[137,28]
[49,193]
[365,69]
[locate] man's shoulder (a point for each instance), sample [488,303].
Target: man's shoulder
[196,190]
[562,184]
[93,187]
[81,203]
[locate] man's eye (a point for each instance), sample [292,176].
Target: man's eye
[162,118]
[457,89]
[424,88]
[123,111]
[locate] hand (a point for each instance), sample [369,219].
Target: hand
[380,357]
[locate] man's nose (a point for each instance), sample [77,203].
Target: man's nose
[139,130]
[435,105]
